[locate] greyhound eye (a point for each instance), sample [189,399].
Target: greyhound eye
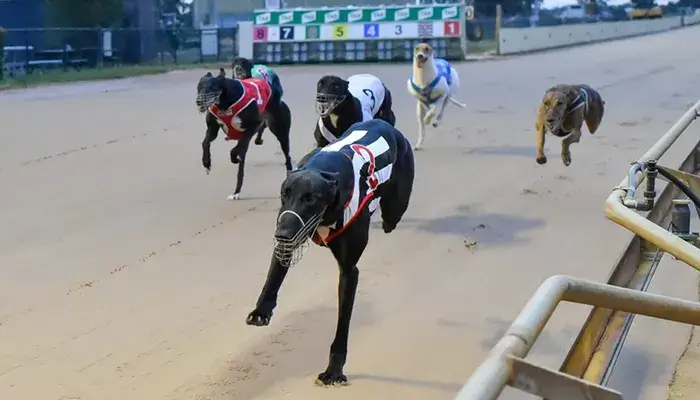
[308,198]
[285,195]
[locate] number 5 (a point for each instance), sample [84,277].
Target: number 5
[339,31]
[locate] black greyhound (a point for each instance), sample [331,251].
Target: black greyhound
[339,109]
[320,200]
[243,68]
[239,107]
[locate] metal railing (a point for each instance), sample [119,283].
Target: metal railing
[489,380]
[593,355]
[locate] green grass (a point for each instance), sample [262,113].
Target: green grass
[481,47]
[59,76]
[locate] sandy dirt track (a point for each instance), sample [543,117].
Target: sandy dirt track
[124,273]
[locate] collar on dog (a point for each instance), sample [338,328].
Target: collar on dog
[580,101]
[424,93]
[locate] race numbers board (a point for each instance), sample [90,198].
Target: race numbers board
[352,23]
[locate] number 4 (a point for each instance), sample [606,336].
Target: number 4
[371,31]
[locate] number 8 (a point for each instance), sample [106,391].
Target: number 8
[260,34]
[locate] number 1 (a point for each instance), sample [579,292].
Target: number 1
[451,28]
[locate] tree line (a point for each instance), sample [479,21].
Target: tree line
[104,13]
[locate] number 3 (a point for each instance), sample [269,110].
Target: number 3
[398,30]
[370,94]
[368,156]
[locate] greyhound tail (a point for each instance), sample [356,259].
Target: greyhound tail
[457,103]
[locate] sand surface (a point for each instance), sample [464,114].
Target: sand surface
[124,273]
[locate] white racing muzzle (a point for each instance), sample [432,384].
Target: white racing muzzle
[289,251]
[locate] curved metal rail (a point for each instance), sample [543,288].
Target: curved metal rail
[597,347]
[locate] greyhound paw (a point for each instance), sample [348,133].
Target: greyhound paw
[566,159]
[207,170]
[435,124]
[258,318]
[331,378]
[388,227]
[541,160]
[235,196]
[258,141]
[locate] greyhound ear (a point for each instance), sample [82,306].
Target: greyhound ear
[331,179]
[222,73]
[208,74]
[346,84]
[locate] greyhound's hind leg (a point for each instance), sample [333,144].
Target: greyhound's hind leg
[280,125]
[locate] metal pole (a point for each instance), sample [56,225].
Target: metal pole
[490,378]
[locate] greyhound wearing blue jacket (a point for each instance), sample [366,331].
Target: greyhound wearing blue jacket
[434,84]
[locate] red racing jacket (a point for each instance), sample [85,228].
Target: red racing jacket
[254,90]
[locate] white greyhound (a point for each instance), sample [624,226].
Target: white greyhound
[434,83]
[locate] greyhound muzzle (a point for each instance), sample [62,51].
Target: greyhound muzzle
[326,103]
[205,100]
[240,73]
[292,236]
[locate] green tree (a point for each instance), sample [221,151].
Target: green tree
[86,13]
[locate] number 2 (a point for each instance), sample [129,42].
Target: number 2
[286,32]
[370,94]
[368,156]
[398,30]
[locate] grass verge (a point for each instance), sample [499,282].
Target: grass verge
[483,46]
[118,72]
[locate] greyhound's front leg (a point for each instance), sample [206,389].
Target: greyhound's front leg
[238,155]
[440,106]
[574,137]
[209,136]
[347,251]
[347,288]
[420,114]
[267,301]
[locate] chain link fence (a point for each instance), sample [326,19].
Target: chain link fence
[38,51]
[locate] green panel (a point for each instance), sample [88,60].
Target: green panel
[358,15]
